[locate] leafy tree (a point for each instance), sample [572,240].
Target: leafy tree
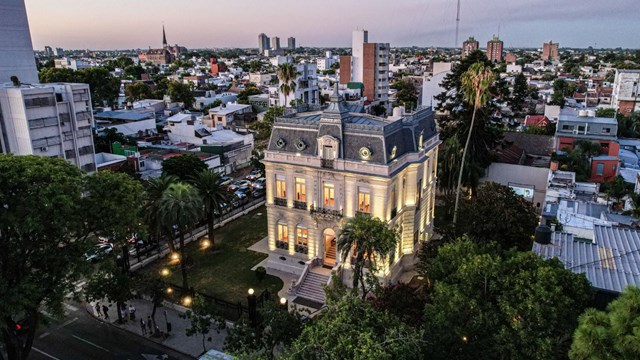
[607,113]
[204,318]
[155,188]
[107,138]
[113,208]
[154,287]
[407,93]
[536,130]
[42,242]
[368,239]
[353,329]
[618,189]
[181,205]
[134,72]
[182,93]
[519,95]
[52,74]
[250,89]
[112,283]
[449,155]
[378,110]
[104,86]
[287,74]
[457,121]
[184,167]
[475,86]
[213,195]
[273,335]
[486,304]
[137,91]
[500,215]
[610,334]
[401,300]
[263,128]
[562,89]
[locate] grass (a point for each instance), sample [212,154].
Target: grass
[225,270]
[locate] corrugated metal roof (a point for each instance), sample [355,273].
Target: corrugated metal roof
[611,262]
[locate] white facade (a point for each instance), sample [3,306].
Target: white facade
[53,120]
[358,39]
[626,87]
[325,63]
[185,128]
[74,64]
[16,49]
[307,91]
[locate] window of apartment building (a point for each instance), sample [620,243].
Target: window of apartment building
[301,190]
[302,235]
[328,195]
[281,187]
[567,127]
[599,169]
[581,128]
[283,233]
[606,130]
[364,200]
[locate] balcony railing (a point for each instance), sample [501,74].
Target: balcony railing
[330,213]
[326,163]
[302,205]
[280,201]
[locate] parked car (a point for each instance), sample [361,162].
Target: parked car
[224,208]
[237,184]
[253,175]
[238,199]
[225,181]
[98,252]
[259,192]
[240,194]
[259,183]
[244,189]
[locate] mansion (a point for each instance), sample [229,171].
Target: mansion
[324,167]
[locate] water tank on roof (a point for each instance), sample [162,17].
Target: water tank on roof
[591,113]
[398,111]
[543,234]
[582,113]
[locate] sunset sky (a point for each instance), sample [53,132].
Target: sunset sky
[120,24]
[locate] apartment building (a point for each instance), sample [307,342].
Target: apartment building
[53,120]
[626,91]
[263,42]
[16,49]
[550,51]
[291,43]
[574,125]
[470,45]
[324,167]
[368,64]
[495,47]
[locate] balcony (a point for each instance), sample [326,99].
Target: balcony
[280,201]
[363,213]
[326,163]
[302,205]
[326,213]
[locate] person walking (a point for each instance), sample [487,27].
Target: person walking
[150,325]
[123,313]
[105,310]
[132,312]
[98,314]
[143,326]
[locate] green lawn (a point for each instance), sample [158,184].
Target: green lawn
[225,271]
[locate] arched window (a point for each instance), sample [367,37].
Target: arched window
[302,235]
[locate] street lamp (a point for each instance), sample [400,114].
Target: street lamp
[284,304]
[169,290]
[205,244]
[165,272]
[174,258]
[186,301]
[252,301]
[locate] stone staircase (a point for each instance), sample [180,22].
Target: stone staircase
[311,288]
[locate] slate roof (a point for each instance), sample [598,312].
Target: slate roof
[611,262]
[354,130]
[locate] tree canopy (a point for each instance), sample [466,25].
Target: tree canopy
[184,167]
[180,92]
[104,86]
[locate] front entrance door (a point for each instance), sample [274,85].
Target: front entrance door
[330,248]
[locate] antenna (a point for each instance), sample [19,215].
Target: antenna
[457,24]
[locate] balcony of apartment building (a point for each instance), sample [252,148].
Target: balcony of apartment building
[279,201]
[326,212]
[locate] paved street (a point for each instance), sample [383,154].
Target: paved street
[79,336]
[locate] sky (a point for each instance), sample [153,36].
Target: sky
[130,24]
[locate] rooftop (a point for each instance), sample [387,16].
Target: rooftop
[611,262]
[126,116]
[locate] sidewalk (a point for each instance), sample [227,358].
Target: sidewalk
[177,339]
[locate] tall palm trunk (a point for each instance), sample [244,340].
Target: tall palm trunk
[210,224]
[183,263]
[464,155]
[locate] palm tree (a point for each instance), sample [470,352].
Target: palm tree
[154,189]
[212,194]
[368,239]
[181,205]
[475,85]
[287,73]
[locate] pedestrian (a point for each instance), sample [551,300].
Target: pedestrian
[123,313]
[143,326]
[105,310]
[150,325]
[98,310]
[132,312]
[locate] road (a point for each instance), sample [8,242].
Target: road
[79,336]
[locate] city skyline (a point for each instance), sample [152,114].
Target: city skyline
[528,24]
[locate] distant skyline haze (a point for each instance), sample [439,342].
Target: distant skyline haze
[131,24]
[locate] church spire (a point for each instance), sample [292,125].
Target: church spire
[164,37]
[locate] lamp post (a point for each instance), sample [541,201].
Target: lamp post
[284,304]
[253,311]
